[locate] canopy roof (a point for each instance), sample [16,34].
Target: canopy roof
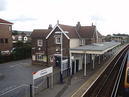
[95,48]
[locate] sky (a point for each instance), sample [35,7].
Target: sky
[110,16]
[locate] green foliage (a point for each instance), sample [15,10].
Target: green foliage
[21,51]
[108,38]
[15,32]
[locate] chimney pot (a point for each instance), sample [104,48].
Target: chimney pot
[78,25]
[50,26]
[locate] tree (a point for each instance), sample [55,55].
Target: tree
[15,32]
[22,50]
[108,38]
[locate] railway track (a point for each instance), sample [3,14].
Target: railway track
[103,86]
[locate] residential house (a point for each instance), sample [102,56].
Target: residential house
[47,43]
[120,38]
[23,36]
[5,36]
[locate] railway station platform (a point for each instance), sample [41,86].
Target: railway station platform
[88,83]
[78,83]
[90,54]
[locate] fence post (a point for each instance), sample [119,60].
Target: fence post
[31,90]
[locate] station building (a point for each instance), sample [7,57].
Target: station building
[46,43]
[69,49]
[92,54]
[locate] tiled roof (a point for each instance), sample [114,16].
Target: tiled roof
[4,21]
[40,32]
[87,31]
[70,29]
[83,31]
[99,35]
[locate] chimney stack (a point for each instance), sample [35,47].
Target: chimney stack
[57,21]
[50,26]
[78,25]
[92,24]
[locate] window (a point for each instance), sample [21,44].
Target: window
[40,42]
[6,40]
[41,57]
[20,38]
[25,38]
[2,40]
[82,42]
[10,28]
[33,57]
[51,59]
[58,40]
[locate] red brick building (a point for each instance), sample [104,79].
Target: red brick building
[46,43]
[5,35]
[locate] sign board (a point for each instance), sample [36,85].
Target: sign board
[65,64]
[43,72]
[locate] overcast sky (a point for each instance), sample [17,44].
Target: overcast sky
[110,16]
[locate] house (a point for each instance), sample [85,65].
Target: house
[5,36]
[23,36]
[120,38]
[47,44]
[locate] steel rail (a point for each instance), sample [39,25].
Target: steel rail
[117,83]
[110,74]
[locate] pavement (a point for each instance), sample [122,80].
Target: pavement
[1,76]
[16,73]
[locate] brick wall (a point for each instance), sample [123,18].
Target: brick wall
[52,46]
[5,33]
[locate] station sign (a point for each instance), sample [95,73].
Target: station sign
[42,72]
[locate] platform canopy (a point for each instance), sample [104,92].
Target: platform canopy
[95,48]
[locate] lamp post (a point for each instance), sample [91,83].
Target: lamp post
[61,73]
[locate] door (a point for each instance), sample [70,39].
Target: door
[73,65]
[77,65]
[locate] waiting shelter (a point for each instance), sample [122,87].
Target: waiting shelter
[82,55]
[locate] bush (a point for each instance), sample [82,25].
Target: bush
[21,51]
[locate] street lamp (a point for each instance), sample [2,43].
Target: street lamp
[61,73]
[62,65]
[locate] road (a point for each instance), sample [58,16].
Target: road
[16,73]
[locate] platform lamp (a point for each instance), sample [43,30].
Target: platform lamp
[61,73]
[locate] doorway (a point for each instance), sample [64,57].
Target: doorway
[73,65]
[77,65]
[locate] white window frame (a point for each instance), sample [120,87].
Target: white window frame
[40,42]
[25,38]
[20,38]
[41,57]
[56,39]
[82,42]
[10,28]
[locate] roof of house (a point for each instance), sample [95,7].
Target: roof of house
[4,21]
[82,32]
[70,29]
[40,33]
[99,35]
[87,31]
